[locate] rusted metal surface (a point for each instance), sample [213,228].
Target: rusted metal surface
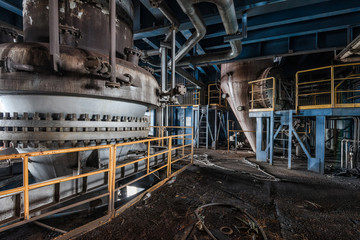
[84,74]
[44,80]
[234,83]
[78,14]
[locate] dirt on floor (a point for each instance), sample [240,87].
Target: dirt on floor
[228,195]
[284,204]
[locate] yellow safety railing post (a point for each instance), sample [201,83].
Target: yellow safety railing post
[209,94]
[148,158]
[111,178]
[26,187]
[274,92]
[220,96]
[162,135]
[169,157]
[296,92]
[252,96]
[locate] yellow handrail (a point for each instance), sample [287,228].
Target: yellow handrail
[214,95]
[272,89]
[333,91]
[110,169]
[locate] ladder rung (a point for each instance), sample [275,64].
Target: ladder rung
[280,148]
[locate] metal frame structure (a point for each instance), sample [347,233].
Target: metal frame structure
[334,108]
[207,128]
[233,131]
[334,92]
[27,214]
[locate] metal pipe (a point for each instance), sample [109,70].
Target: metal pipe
[173,53]
[54,33]
[50,227]
[150,53]
[166,11]
[164,54]
[228,15]
[163,69]
[200,29]
[342,154]
[113,40]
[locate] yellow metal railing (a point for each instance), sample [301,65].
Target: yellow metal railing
[257,87]
[26,215]
[214,95]
[196,97]
[335,86]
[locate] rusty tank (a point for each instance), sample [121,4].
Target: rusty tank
[72,105]
[234,83]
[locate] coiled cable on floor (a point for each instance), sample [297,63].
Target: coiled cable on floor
[201,219]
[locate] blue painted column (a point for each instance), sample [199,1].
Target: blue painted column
[260,155]
[320,142]
[271,138]
[317,164]
[290,138]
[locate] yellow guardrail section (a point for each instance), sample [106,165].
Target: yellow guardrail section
[162,140]
[334,86]
[214,95]
[196,97]
[257,87]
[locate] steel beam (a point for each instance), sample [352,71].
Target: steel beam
[11,8]
[215,19]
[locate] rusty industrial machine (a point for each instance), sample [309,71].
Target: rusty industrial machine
[72,82]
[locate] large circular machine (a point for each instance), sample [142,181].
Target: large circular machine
[264,93]
[42,108]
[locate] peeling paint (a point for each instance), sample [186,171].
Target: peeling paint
[62,10]
[72,4]
[30,20]
[80,14]
[105,11]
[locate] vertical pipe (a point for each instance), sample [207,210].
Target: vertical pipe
[167,117]
[173,63]
[192,145]
[113,40]
[228,135]
[244,25]
[332,88]
[215,129]
[163,52]
[346,153]
[54,33]
[342,153]
[296,92]
[290,137]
